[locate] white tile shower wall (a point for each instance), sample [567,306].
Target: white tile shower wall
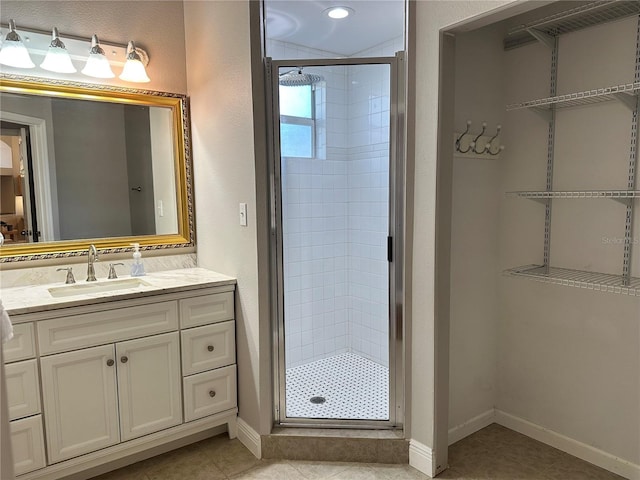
[335,215]
[368,173]
[314,205]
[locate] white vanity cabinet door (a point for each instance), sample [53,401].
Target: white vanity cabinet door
[80,401]
[27,444]
[208,347]
[149,384]
[22,388]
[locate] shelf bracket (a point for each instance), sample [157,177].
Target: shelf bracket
[630,101]
[543,37]
[545,113]
[624,201]
[543,201]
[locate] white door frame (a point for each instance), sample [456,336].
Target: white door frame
[40,171]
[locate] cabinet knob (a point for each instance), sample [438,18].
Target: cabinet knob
[212,393]
[124,359]
[210,348]
[110,363]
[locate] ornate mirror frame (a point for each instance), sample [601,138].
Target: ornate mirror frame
[178,104]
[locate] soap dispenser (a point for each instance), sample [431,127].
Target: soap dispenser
[137,268]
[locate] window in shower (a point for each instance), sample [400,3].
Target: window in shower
[297,122]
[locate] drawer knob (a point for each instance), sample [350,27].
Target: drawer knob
[210,348]
[212,393]
[110,363]
[124,359]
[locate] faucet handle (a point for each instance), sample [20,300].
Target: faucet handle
[69,271]
[112,270]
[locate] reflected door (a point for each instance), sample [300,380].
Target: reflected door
[335,146]
[17,212]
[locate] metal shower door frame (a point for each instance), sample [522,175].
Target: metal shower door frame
[395,242]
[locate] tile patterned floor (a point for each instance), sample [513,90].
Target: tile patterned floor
[353,387]
[493,453]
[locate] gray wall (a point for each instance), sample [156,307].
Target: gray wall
[219,81]
[564,359]
[569,358]
[479,79]
[91,169]
[139,169]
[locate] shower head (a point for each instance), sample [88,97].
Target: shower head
[295,78]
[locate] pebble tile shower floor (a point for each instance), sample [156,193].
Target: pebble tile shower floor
[353,387]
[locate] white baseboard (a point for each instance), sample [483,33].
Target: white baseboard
[249,438]
[472,426]
[573,447]
[421,458]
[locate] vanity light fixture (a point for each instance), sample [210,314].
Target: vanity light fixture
[134,70]
[13,52]
[97,64]
[57,59]
[338,13]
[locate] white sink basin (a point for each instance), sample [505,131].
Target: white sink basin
[97,287]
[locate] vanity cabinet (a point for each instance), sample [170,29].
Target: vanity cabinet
[100,396]
[120,377]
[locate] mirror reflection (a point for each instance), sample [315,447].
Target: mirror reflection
[85,164]
[81,169]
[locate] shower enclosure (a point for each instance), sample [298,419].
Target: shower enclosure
[337,176]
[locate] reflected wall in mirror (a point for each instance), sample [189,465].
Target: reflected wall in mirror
[84,164]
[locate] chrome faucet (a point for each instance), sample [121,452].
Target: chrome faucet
[92,257]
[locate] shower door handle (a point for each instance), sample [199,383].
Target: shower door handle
[389,249]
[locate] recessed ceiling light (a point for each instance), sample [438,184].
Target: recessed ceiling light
[338,12]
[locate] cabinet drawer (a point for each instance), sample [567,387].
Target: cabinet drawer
[210,392]
[22,389]
[99,328]
[208,347]
[27,443]
[207,309]
[22,345]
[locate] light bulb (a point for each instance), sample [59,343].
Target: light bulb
[338,13]
[13,52]
[57,59]
[134,70]
[97,64]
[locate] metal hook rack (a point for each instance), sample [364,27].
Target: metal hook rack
[481,145]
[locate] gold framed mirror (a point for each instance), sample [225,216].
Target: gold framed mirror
[89,164]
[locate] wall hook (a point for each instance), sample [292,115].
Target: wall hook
[489,145]
[459,139]
[481,144]
[475,140]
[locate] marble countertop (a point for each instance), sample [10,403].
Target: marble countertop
[37,298]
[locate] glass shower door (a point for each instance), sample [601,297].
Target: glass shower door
[333,169]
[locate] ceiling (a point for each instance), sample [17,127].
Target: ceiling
[303,22]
